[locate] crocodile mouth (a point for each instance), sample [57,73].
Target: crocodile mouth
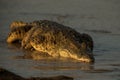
[88,58]
[82,56]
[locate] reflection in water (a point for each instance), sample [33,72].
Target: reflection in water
[14,46]
[55,63]
[49,63]
[65,67]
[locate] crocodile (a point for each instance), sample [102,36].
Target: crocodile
[52,38]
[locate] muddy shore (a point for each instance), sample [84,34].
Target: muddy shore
[7,75]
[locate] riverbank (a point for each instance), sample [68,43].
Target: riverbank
[7,75]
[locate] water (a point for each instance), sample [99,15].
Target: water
[99,18]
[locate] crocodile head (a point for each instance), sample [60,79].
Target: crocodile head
[82,54]
[82,48]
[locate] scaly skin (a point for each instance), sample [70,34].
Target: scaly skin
[16,24]
[17,34]
[55,39]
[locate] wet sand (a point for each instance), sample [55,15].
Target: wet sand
[7,75]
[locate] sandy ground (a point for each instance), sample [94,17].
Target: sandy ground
[7,75]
